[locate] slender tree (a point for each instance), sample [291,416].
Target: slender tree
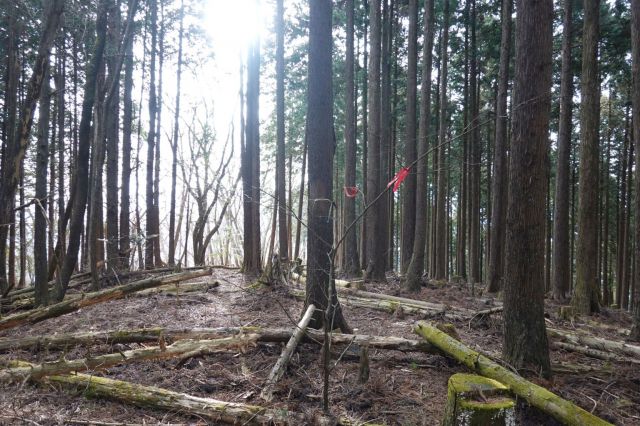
[585,297]
[416,266]
[525,338]
[151,136]
[499,182]
[409,192]
[441,234]
[351,261]
[320,283]
[561,258]
[281,185]
[375,251]
[635,47]
[174,144]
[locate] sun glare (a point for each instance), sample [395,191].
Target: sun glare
[232,25]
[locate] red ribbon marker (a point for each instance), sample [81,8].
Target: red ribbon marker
[351,191]
[398,178]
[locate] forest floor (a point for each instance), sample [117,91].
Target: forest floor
[403,389]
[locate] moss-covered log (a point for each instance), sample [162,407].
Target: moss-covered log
[278,369]
[88,299]
[153,397]
[478,401]
[143,335]
[546,401]
[161,351]
[596,343]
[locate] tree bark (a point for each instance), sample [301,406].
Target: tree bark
[127,119]
[320,283]
[42,198]
[585,296]
[416,266]
[525,339]
[499,182]
[375,251]
[151,138]
[281,185]
[441,234]
[635,46]
[351,260]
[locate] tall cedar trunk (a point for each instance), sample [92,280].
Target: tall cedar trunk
[383,234]
[112,132]
[605,287]
[635,46]
[622,202]
[151,137]
[410,191]
[54,257]
[42,203]
[16,148]
[281,185]
[82,157]
[561,260]
[441,203]
[156,165]
[585,296]
[462,230]
[475,158]
[127,119]
[364,259]
[9,130]
[320,282]
[375,250]
[351,261]
[174,145]
[251,166]
[499,182]
[296,252]
[416,266]
[627,264]
[525,338]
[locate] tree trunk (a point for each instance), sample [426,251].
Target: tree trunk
[635,43]
[441,234]
[127,119]
[585,296]
[525,339]
[416,266]
[82,158]
[281,186]
[320,283]
[561,260]
[499,183]
[296,252]
[375,251]
[151,138]
[42,201]
[475,249]
[351,261]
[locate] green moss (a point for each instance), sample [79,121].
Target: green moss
[475,400]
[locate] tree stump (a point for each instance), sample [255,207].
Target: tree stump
[475,400]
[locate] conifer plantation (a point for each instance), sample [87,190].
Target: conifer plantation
[320,212]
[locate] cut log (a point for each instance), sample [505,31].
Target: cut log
[278,369]
[171,335]
[88,299]
[596,343]
[177,349]
[210,409]
[477,401]
[546,401]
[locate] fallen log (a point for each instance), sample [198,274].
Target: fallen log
[145,335]
[593,353]
[596,343]
[88,299]
[278,369]
[546,401]
[158,398]
[104,361]
[177,289]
